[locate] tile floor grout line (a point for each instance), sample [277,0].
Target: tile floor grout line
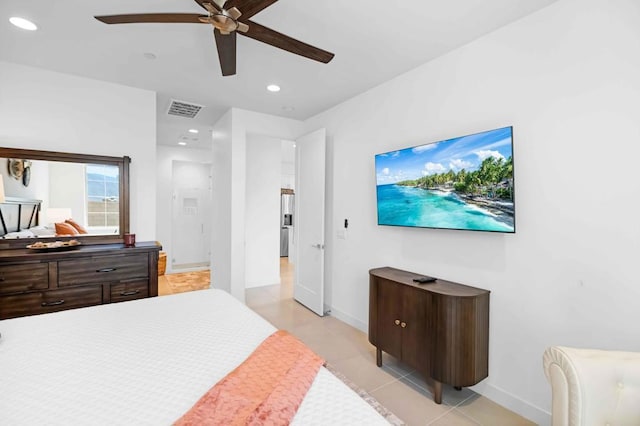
[464,400]
[471,418]
[381,386]
[441,416]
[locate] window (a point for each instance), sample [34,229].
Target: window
[103,195]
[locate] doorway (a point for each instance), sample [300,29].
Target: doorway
[191,213]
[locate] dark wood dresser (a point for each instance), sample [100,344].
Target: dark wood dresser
[441,328]
[41,282]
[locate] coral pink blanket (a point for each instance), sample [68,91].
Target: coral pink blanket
[266,389]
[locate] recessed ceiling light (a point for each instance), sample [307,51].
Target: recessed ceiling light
[149,55]
[193,130]
[182,143]
[23,23]
[294,145]
[273,88]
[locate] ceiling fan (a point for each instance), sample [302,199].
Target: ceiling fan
[229,17]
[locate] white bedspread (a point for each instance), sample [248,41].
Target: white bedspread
[144,362]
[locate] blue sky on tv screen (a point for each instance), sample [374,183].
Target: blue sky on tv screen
[466,152]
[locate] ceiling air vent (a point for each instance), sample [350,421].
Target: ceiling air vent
[184,109]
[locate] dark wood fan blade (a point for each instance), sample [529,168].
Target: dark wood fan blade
[249,7]
[274,38]
[201,3]
[226,51]
[187,18]
[217,4]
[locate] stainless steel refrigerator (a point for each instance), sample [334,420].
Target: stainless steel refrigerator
[286,222]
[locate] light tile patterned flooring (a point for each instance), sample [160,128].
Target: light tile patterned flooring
[396,386]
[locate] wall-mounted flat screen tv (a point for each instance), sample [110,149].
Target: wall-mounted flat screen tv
[462,183]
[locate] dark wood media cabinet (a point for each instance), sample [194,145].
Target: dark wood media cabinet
[441,328]
[40,282]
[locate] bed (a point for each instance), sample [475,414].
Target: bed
[17,214]
[143,362]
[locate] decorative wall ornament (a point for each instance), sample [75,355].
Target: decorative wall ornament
[26,175]
[16,168]
[20,170]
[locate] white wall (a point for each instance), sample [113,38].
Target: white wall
[567,79]
[164,199]
[51,111]
[68,189]
[228,259]
[262,226]
[288,165]
[38,188]
[221,272]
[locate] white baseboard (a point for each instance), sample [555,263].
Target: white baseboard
[513,403]
[354,322]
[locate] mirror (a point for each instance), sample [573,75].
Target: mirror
[89,193]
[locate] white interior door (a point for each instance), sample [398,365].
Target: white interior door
[308,221]
[191,212]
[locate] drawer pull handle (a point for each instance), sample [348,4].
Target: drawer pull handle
[56,303]
[1,279]
[107,270]
[397,322]
[129,293]
[403,324]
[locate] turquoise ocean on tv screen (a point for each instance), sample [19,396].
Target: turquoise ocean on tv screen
[409,206]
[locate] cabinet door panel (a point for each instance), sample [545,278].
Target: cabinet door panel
[415,342]
[462,339]
[390,311]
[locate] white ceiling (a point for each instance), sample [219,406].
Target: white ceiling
[373,41]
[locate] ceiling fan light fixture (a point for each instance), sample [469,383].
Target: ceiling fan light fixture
[25,24]
[273,88]
[224,23]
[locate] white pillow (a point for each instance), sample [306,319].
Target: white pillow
[20,234]
[42,231]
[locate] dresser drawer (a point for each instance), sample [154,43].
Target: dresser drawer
[102,269]
[49,301]
[23,277]
[121,292]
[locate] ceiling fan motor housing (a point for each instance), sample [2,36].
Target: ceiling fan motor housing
[224,23]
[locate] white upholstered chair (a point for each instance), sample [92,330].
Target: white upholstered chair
[593,387]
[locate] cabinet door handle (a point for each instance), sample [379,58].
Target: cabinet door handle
[403,324]
[129,293]
[56,303]
[397,322]
[106,270]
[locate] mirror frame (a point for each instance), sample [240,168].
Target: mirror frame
[121,162]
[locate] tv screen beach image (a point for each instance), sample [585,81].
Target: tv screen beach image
[462,183]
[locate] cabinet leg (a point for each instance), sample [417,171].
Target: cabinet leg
[437,392]
[378,357]
[458,388]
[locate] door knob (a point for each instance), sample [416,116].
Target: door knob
[318,246]
[397,322]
